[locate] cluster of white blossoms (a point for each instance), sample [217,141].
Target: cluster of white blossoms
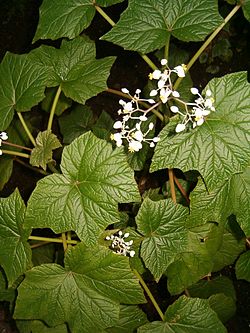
[132,111]
[3,136]
[119,244]
[195,112]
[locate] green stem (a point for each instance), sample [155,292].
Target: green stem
[166,50]
[52,168]
[207,42]
[148,292]
[53,108]
[31,167]
[26,128]
[15,153]
[112,23]
[15,145]
[64,241]
[52,240]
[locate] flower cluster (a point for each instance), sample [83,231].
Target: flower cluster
[193,113]
[120,246]
[132,111]
[3,136]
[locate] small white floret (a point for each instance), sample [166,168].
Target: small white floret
[180,128]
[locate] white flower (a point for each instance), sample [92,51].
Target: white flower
[118,139]
[138,91]
[119,245]
[3,136]
[180,128]
[132,253]
[138,136]
[209,102]
[150,126]
[164,62]
[161,83]
[134,146]
[151,145]
[117,125]
[151,101]
[208,93]
[153,92]
[1,153]
[156,74]
[194,91]
[125,90]
[179,70]
[200,121]
[175,94]
[164,95]
[128,107]
[143,118]
[156,139]
[174,109]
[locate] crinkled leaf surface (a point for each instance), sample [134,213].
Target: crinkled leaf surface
[75,68]
[15,252]
[218,148]
[85,197]
[66,19]
[147,25]
[85,294]
[224,306]
[22,85]
[232,197]
[130,318]
[36,326]
[189,315]
[163,224]
[46,142]
[43,254]
[243,266]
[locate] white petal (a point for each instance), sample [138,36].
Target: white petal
[1,153]
[180,127]
[208,93]
[135,145]
[143,118]
[175,93]
[128,106]
[161,83]
[200,121]
[132,253]
[126,235]
[125,90]
[151,101]
[208,103]
[153,93]
[138,91]
[164,62]
[4,136]
[138,136]
[156,139]
[180,71]
[117,125]
[150,126]
[194,91]
[174,108]
[156,74]
[151,145]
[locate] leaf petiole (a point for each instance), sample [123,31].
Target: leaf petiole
[53,108]
[26,128]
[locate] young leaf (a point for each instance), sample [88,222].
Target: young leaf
[22,85]
[88,290]
[232,197]
[85,197]
[220,147]
[130,318]
[189,315]
[15,253]
[224,306]
[67,20]
[147,25]
[163,225]
[75,68]
[243,266]
[46,142]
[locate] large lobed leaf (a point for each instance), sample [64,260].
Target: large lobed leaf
[85,294]
[147,25]
[243,266]
[67,18]
[189,315]
[85,197]
[15,252]
[220,147]
[74,68]
[22,85]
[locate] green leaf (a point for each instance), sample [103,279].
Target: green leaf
[75,68]
[63,103]
[207,288]
[76,123]
[243,266]
[22,85]
[85,197]
[163,225]
[189,315]
[36,326]
[103,126]
[232,197]
[88,290]
[6,294]
[6,167]
[224,306]
[43,254]
[46,142]
[130,318]
[68,20]
[147,26]
[246,9]
[220,147]
[15,253]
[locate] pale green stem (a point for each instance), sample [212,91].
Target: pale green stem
[15,153]
[148,292]
[26,128]
[171,182]
[31,167]
[112,23]
[166,50]
[64,241]
[52,168]
[52,240]
[69,236]
[207,42]
[53,108]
